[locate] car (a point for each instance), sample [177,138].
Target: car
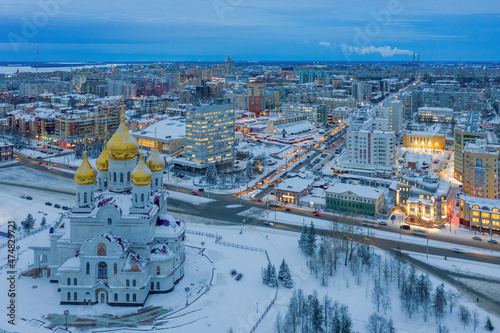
[201,190]
[393,217]
[492,241]
[405,227]
[48,203]
[29,198]
[268,223]
[477,238]
[57,206]
[55,164]
[23,196]
[38,158]
[195,192]
[457,204]
[71,167]
[318,214]
[288,209]
[65,207]
[383,223]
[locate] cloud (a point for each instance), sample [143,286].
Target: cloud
[327,45]
[384,51]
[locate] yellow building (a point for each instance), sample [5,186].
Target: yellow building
[462,135]
[480,165]
[480,214]
[427,140]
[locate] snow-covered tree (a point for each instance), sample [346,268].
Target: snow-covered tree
[269,276]
[310,247]
[377,293]
[284,275]
[303,238]
[475,319]
[488,325]
[249,171]
[43,223]
[211,174]
[464,315]
[29,223]
[439,302]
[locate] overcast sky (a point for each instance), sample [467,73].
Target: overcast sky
[162,30]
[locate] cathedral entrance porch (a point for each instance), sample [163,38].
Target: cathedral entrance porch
[102,296]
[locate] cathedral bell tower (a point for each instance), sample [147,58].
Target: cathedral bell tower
[85,183]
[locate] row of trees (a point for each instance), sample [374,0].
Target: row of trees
[28,224]
[306,313]
[284,275]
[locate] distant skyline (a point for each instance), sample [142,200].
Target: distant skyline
[194,30]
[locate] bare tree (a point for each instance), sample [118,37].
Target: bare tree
[475,319]
[464,315]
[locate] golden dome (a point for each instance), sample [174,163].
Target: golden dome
[155,162]
[122,146]
[85,174]
[102,162]
[141,176]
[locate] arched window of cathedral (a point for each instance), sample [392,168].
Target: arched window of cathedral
[100,183]
[78,197]
[152,286]
[127,283]
[75,281]
[142,197]
[75,296]
[158,285]
[114,177]
[102,270]
[115,268]
[134,283]
[69,282]
[85,197]
[127,298]
[87,268]
[157,270]
[101,250]
[116,297]
[68,296]
[110,221]
[121,177]
[156,181]
[134,298]
[128,177]
[135,197]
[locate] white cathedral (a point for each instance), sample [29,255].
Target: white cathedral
[118,245]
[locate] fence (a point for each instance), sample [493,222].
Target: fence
[24,235]
[200,233]
[239,246]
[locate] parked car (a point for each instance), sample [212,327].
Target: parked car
[318,214]
[492,241]
[477,238]
[201,190]
[405,227]
[48,203]
[195,192]
[29,198]
[65,207]
[57,206]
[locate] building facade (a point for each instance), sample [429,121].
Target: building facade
[210,134]
[356,199]
[424,140]
[480,214]
[480,165]
[462,135]
[118,245]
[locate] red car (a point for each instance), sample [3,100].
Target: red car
[195,193]
[318,214]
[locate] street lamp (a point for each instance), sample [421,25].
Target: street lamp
[187,291]
[66,313]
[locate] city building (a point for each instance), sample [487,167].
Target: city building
[392,110]
[168,135]
[118,244]
[370,147]
[424,199]
[356,199]
[228,66]
[257,97]
[292,189]
[361,91]
[6,152]
[463,134]
[312,75]
[424,140]
[435,115]
[480,165]
[209,135]
[480,214]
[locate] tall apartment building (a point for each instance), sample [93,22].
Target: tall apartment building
[480,165]
[316,114]
[311,75]
[361,91]
[392,110]
[448,98]
[463,134]
[229,66]
[210,134]
[257,97]
[368,146]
